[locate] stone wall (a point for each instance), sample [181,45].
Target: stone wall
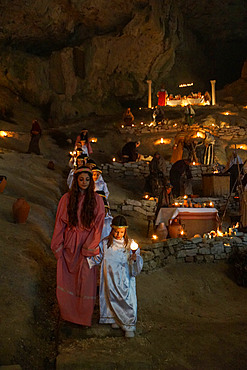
[197,249]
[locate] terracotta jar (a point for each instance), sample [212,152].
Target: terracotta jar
[3,182]
[51,165]
[174,229]
[20,210]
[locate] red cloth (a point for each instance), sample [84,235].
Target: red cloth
[36,129]
[76,283]
[162,98]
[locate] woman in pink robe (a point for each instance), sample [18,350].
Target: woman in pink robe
[77,233]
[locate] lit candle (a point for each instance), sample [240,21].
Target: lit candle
[3,133]
[154,237]
[211,204]
[114,159]
[176,204]
[122,126]
[141,123]
[162,140]
[134,246]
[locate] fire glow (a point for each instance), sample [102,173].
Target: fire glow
[186,85]
[162,141]
[239,146]
[6,134]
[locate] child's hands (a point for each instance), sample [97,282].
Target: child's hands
[133,257]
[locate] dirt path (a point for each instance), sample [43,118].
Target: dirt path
[189,317]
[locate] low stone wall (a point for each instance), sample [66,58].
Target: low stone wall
[196,249]
[148,207]
[141,169]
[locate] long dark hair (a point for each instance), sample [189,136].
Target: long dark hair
[87,215]
[117,222]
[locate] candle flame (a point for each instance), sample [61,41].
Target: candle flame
[185,85]
[94,140]
[3,133]
[114,159]
[134,246]
[219,233]
[154,237]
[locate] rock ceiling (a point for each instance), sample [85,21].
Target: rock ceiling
[75,57]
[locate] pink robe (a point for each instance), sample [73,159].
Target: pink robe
[76,283]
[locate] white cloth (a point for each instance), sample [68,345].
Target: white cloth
[118,301]
[100,185]
[107,226]
[70,178]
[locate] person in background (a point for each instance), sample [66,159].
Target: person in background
[181,178]
[189,115]
[35,133]
[128,117]
[77,233]
[108,217]
[80,161]
[119,267]
[99,183]
[130,152]
[162,95]
[83,137]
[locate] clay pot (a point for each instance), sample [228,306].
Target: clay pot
[20,210]
[174,229]
[162,231]
[3,182]
[51,165]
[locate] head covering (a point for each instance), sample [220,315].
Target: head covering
[97,169]
[82,156]
[119,222]
[83,169]
[91,161]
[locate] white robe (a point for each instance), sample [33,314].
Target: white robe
[118,300]
[100,185]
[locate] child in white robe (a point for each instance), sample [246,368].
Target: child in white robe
[108,217]
[119,266]
[99,183]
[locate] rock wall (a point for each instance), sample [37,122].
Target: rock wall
[197,249]
[76,57]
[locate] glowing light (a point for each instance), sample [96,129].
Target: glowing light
[114,159]
[211,204]
[229,114]
[185,196]
[194,163]
[219,233]
[154,237]
[176,204]
[200,134]
[94,140]
[140,108]
[185,85]
[142,123]
[122,126]
[239,146]
[162,141]
[133,125]
[3,133]
[134,246]
[146,196]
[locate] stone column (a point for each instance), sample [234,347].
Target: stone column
[149,82]
[213,91]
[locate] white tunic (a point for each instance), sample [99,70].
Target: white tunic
[100,185]
[118,301]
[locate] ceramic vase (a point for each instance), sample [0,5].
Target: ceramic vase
[174,229]
[20,210]
[3,183]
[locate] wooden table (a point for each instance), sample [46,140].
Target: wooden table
[194,220]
